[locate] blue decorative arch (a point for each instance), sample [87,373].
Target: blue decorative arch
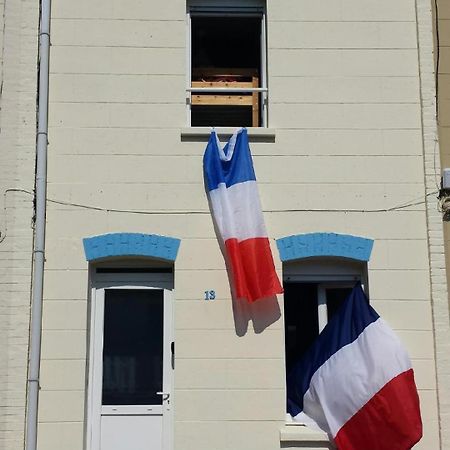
[131,244]
[324,244]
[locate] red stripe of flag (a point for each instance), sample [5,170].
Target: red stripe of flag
[390,420]
[253,268]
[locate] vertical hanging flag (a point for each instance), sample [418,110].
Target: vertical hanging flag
[233,194]
[356,382]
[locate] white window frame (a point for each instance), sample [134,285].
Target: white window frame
[227,7]
[101,282]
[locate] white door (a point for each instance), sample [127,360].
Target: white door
[131,368]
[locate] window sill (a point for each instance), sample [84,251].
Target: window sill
[201,134]
[297,435]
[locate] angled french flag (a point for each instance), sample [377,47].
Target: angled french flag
[234,200]
[356,382]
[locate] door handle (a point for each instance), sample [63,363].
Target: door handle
[165,395]
[172,351]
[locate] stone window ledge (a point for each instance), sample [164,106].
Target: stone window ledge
[300,436]
[201,134]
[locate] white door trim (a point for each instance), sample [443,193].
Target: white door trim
[94,390]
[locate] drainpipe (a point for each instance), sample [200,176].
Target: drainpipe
[39,231]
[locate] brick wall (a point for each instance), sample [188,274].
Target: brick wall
[18,36]
[442,260]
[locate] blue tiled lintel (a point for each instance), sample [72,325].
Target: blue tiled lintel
[324,244]
[131,244]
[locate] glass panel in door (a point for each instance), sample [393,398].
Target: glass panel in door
[133,347]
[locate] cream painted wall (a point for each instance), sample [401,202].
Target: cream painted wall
[345,102]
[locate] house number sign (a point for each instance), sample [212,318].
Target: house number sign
[210,295]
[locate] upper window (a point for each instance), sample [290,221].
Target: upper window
[227,75]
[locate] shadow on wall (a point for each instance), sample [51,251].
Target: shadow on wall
[262,313]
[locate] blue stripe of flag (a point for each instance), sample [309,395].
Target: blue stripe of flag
[238,170]
[344,328]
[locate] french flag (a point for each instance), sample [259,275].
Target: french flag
[234,200]
[356,382]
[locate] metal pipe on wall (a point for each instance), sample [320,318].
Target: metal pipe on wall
[39,231]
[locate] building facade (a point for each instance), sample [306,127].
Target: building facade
[339,101]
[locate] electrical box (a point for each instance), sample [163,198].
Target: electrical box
[446,179]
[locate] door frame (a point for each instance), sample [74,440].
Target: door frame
[101,282]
